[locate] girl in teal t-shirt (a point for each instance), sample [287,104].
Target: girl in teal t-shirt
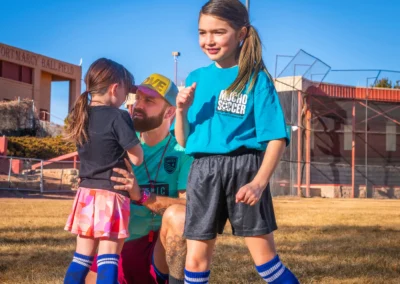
[227,117]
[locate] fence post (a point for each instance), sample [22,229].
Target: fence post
[9,173]
[41,176]
[61,178]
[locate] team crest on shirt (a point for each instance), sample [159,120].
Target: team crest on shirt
[158,188]
[170,164]
[232,103]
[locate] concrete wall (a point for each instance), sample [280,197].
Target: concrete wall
[11,90]
[44,70]
[45,91]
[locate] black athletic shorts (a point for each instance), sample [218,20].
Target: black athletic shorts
[211,191]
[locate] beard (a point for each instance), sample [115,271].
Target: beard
[146,123]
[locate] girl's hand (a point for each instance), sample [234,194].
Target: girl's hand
[249,194]
[129,182]
[185,98]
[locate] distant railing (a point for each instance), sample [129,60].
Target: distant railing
[36,175]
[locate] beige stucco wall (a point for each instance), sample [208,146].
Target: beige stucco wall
[10,89]
[45,69]
[45,91]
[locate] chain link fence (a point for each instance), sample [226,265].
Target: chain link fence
[38,175]
[345,131]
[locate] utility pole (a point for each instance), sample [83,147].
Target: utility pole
[176,54]
[248,5]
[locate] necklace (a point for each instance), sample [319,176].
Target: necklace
[152,186]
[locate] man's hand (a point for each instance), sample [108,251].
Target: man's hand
[157,204]
[249,194]
[129,182]
[185,98]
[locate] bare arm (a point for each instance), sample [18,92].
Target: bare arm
[183,102]
[182,194]
[271,159]
[251,192]
[158,204]
[181,127]
[135,155]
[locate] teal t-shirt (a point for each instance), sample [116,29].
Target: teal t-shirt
[172,177]
[222,122]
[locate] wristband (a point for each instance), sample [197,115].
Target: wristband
[145,196]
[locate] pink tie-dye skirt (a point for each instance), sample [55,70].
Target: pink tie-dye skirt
[99,213]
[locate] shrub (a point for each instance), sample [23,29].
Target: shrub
[39,148]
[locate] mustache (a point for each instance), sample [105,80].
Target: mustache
[139,111]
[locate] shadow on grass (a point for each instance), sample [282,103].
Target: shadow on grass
[47,236]
[35,240]
[336,252]
[31,230]
[42,266]
[35,259]
[29,195]
[341,253]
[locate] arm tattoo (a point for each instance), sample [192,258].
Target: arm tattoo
[155,206]
[158,204]
[176,255]
[160,211]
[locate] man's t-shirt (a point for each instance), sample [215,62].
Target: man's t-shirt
[172,176]
[111,133]
[221,122]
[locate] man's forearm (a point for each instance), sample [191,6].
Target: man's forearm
[158,204]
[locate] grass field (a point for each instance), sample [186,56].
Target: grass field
[321,240]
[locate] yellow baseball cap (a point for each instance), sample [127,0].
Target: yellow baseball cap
[162,86]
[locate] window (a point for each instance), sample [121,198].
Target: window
[390,136]
[312,139]
[26,75]
[44,115]
[15,72]
[10,71]
[348,137]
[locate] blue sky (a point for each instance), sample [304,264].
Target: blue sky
[141,34]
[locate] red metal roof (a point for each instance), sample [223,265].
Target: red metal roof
[358,93]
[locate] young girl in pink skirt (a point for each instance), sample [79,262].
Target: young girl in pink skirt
[104,136]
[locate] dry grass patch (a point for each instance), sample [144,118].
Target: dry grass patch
[321,240]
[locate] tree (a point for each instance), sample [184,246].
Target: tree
[397,86]
[383,83]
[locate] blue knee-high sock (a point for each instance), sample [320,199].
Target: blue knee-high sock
[78,269]
[197,277]
[160,276]
[275,272]
[107,268]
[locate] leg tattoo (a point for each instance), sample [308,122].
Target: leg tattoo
[176,255]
